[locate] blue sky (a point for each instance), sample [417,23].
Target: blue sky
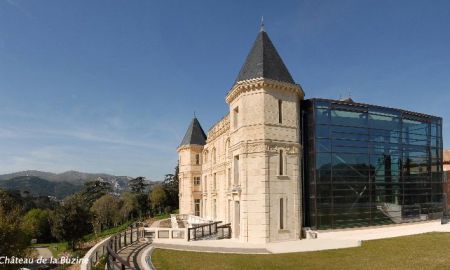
[110,86]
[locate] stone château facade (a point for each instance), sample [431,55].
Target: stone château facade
[246,170]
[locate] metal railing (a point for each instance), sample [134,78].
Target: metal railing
[118,242]
[204,230]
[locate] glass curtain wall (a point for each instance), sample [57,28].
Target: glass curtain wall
[369,165]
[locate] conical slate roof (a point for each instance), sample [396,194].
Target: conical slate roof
[264,61]
[194,134]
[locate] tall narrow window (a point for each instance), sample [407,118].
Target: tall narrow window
[236,117]
[206,183]
[213,155]
[215,209]
[214,182]
[281,162]
[229,177]
[280,111]
[236,170]
[197,159]
[197,207]
[281,214]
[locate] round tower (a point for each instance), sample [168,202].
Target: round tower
[264,106]
[190,164]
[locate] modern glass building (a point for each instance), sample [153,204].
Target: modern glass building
[369,165]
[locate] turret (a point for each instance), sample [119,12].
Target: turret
[190,163]
[264,108]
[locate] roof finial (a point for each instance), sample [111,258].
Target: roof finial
[195,115]
[262,24]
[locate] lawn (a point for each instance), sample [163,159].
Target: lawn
[424,251]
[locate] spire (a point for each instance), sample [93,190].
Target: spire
[264,61]
[194,134]
[262,25]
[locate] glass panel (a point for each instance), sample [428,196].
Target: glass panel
[384,122]
[322,131]
[322,116]
[348,118]
[323,145]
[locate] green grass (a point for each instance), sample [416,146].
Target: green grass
[423,251]
[162,216]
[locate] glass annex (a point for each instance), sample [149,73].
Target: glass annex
[369,165]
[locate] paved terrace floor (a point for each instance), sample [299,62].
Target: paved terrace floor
[132,254]
[326,240]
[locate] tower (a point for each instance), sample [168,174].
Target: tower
[189,158]
[264,105]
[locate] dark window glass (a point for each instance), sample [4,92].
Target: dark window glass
[323,159]
[323,145]
[322,116]
[322,131]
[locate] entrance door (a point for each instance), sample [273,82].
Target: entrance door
[237,219]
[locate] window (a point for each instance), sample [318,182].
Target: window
[227,146]
[236,170]
[214,182]
[281,214]
[197,180]
[197,207]
[205,156]
[281,162]
[213,155]
[229,177]
[206,183]
[280,111]
[214,209]
[236,117]
[197,159]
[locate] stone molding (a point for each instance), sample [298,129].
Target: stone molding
[219,128]
[268,146]
[194,147]
[262,83]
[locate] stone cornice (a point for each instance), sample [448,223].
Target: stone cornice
[190,146]
[261,83]
[219,128]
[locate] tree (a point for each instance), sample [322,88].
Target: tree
[93,190]
[137,185]
[170,185]
[130,205]
[36,224]
[13,240]
[71,220]
[158,198]
[106,212]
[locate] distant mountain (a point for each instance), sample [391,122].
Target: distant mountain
[40,187]
[119,183]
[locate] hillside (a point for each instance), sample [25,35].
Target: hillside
[119,183]
[40,187]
